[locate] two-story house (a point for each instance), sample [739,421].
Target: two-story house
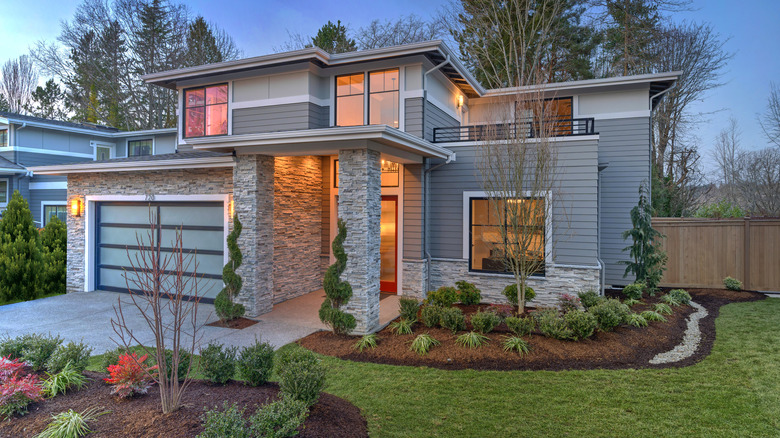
[27,141]
[382,139]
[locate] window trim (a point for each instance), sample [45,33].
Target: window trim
[44,204]
[548,230]
[369,93]
[7,192]
[96,144]
[7,136]
[127,146]
[367,96]
[336,97]
[184,110]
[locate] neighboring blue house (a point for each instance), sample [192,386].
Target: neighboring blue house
[27,141]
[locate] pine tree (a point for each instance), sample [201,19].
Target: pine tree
[333,38]
[337,292]
[20,252]
[201,44]
[226,309]
[47,102]
[54,246]
[648,260]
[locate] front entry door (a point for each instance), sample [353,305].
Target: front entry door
[388,245]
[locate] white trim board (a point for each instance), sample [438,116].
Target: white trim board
[301,98]
[43,208]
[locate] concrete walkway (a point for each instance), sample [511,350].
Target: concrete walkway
[86,317]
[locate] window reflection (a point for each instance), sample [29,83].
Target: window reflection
[383,98]
[205,111]
[349,100]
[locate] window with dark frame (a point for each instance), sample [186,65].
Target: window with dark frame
[137,148]
[3,137]
[383,98]
[60,211]
[205,111]
[4,191]
[350,91]
[486,243]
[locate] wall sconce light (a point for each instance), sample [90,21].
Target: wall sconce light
[75,207]
[231,208]
[460,101]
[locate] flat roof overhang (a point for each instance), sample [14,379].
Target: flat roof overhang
[393,143]
[187,161]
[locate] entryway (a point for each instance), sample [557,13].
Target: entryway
[388,245]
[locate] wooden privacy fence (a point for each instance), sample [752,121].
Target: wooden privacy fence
[704,251]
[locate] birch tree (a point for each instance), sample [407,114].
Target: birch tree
[18,82]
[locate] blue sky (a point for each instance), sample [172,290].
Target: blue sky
[259,26]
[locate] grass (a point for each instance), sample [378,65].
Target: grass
[735,392]
[3,302]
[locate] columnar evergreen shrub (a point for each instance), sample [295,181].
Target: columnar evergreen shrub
[469,294]
[647,259]
[224,305]
[337,292]
[21,263]
[54,247]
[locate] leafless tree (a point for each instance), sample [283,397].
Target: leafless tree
[18,82]
[164,290]
[770,120]
[758,181]
[725,153]
[404,30]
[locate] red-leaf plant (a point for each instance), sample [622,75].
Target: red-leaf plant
[130,376]
[17,392]
[10,367]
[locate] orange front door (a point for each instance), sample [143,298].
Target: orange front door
[388,245]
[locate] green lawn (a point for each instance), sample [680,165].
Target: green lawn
[734,392]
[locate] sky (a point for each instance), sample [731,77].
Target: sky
[260,26]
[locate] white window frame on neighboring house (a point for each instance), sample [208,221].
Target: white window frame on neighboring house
[7,192]
[44,204]
[96,144]
[129,140]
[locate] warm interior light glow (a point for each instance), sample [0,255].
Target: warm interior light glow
[230,208]
[460,101]
[75,207]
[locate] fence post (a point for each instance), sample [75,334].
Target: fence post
[746,262]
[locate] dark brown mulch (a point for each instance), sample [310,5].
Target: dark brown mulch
[238,323]
[626,347]
[141,416]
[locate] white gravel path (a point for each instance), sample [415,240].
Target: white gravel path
[690,341]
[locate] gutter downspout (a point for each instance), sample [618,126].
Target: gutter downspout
[16,157]
[426,214]
[602,265]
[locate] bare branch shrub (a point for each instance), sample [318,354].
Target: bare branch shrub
[770,120]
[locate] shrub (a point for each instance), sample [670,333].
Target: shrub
[635,320]
[70,424]
[423,343]
[634,291]
[61,382]
[472,339]
[301,375]
[184,364]
[502,310]
[720,209]
[732,283]
[663,308]
[513,343]
[111,357]
[37,349]
[444,296]
[280,419]
[255,363]
[17,393]
[218,363]
[452,318]
[485,322]
[129,376]
[510,292]
[21,261]
[581,324]
[569,302]
[431,315]
[648,260]
[10,367]
[226,423]
[630,302]
[553,325]
[681,296]
[520,326]
[650,316]
[409,308]
[402,327]
[609,314]
[224,306]
[337,292]
[590,298]
[366,341]
[469,294]
[54,247]
[77,354]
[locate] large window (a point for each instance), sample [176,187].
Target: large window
[489,246]
[3,137]
[349,100]
[383,98]
[390,174]
[137,148]
[206,111]
[4,183]
[557,110]
[58,211]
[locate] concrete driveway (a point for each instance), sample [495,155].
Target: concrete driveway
[86,317]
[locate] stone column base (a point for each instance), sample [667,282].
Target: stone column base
[415,273]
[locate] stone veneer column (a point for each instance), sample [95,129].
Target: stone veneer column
[360,202]
[253,201]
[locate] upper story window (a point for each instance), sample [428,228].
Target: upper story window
[206,111]
[3,137]
[137,148]
[383,99]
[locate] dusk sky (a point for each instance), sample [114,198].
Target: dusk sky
[259,26]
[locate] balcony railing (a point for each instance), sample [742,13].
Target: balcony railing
[559,128]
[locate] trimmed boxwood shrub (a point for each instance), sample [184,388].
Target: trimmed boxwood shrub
[408,308]
[552,325]
[485,322]
[218,363]
[469,294]
[75,353]
[255,363]
[590,298]
[444,296]
[510,292]
[431,315]
[582,324]
[452,318]
[732,283]
[33,348]
[520,326]
[634,291]
[279,419]
[301,375]
[610,314]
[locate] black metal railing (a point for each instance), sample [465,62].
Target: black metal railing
[529,129]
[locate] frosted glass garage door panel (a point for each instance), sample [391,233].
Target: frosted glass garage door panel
[206,287]
[125,236]
[115,278]
[127,214]
[192,215]
[122,257]
[195,239]
[209,264]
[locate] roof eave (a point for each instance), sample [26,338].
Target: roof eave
[127,166]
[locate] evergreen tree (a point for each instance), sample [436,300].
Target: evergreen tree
[47,102]
[20,252]
[337,292]
[333,38]
[4,106]
[648,260]
[112,64]
[226,309]
[201,44]
[54,248]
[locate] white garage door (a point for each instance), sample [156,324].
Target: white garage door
[120,224]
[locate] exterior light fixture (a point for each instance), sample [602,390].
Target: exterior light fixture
[460,101]
[75,207]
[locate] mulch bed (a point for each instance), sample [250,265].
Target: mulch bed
[141,416]
[626,347]
[238,323]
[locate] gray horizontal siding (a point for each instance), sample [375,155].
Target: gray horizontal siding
[436,118]
[288,117]
[625,145]
[413,211]
[36,197]
[52,139]
[575,208]
[42,159]
[413,116]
